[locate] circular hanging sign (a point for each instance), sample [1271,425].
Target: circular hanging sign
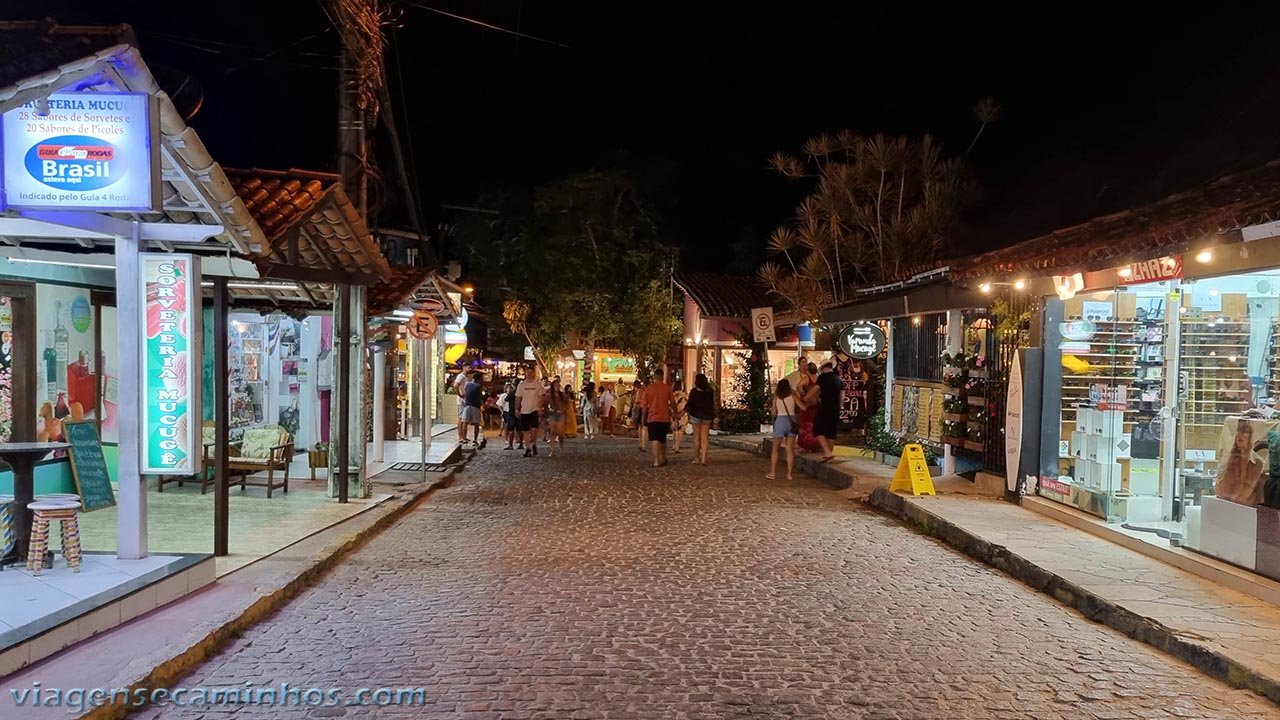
[863,341]
[428,305]
[423,325]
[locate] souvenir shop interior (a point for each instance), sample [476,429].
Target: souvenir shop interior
[1167,413]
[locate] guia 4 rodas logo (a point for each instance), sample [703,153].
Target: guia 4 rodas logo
[75,162]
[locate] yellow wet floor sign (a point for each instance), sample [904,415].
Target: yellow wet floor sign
[913,472]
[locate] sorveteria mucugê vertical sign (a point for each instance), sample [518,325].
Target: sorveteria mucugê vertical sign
[171,412]
[83,151]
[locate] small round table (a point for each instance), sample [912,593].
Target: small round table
[22,457]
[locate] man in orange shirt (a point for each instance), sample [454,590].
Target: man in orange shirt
[660,407]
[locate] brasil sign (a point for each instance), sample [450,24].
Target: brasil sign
[171,411]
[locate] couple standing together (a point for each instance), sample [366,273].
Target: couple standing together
[806,408]
[659,409]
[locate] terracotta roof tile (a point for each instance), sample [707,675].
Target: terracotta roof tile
[724,295]
[395,291]
[314,205]
[1175,224]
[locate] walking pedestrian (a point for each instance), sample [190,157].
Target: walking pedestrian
[589,422]
[785,409]
[807,391]
[638,414]
[570,414]
[701,411]
[659,408]
[678,419]
[608,408]
[557,406]
[826,422]
[529,395]
[459,386]
[510,421]
[473,412]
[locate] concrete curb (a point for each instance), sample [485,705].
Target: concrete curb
[168,672]
[832,475]
[1089,604]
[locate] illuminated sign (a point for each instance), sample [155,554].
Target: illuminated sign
[171,409]
[83,151]
[1164,268]
[864,341]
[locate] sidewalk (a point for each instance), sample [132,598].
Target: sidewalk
[1224,633]
[157,648]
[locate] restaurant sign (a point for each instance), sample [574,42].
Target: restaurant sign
[862,341]
[1153,270]
[83,151]
[171,408]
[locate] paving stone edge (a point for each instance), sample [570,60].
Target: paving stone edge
[168,672]
[1087,603]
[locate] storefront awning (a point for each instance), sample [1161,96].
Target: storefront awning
[938,296]
[314,233]
[1211,214]
[195,191]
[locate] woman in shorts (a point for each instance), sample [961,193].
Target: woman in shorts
[785,427]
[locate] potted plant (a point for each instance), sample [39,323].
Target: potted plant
[976,439]
[955,410]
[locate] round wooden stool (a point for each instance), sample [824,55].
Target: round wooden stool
[64,513]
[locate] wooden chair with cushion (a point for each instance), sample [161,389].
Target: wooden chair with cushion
[268,448]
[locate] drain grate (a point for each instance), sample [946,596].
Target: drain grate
[417,467]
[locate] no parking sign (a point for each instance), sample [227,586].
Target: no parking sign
[762,324]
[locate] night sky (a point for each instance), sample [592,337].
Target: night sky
[1101,109]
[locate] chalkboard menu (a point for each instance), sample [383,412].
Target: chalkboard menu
[88,466]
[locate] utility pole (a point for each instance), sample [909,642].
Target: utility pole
[360,77]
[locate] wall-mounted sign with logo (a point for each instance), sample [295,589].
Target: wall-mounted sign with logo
[1156,269]
[864,340]
[85,151]
[170,363]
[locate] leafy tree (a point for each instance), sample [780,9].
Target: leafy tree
[579,264]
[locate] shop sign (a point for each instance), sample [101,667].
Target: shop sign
[83,151]
[762,324]
[862,341]
[1153,270]
[1054,489]
[171,411]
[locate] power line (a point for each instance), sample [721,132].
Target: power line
[486,25]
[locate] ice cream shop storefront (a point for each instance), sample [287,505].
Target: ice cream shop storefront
[127,256]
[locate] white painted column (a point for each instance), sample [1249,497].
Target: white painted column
[131,528]
[955,343]
[379,404]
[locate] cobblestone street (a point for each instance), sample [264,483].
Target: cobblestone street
[591,586]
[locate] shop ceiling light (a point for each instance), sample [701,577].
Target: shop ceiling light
[61,262]
[402,313]
[915,320]
[262,286]
[1213,293]
[1019,284]
[1125,271]
[1204,256]
[985,287]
